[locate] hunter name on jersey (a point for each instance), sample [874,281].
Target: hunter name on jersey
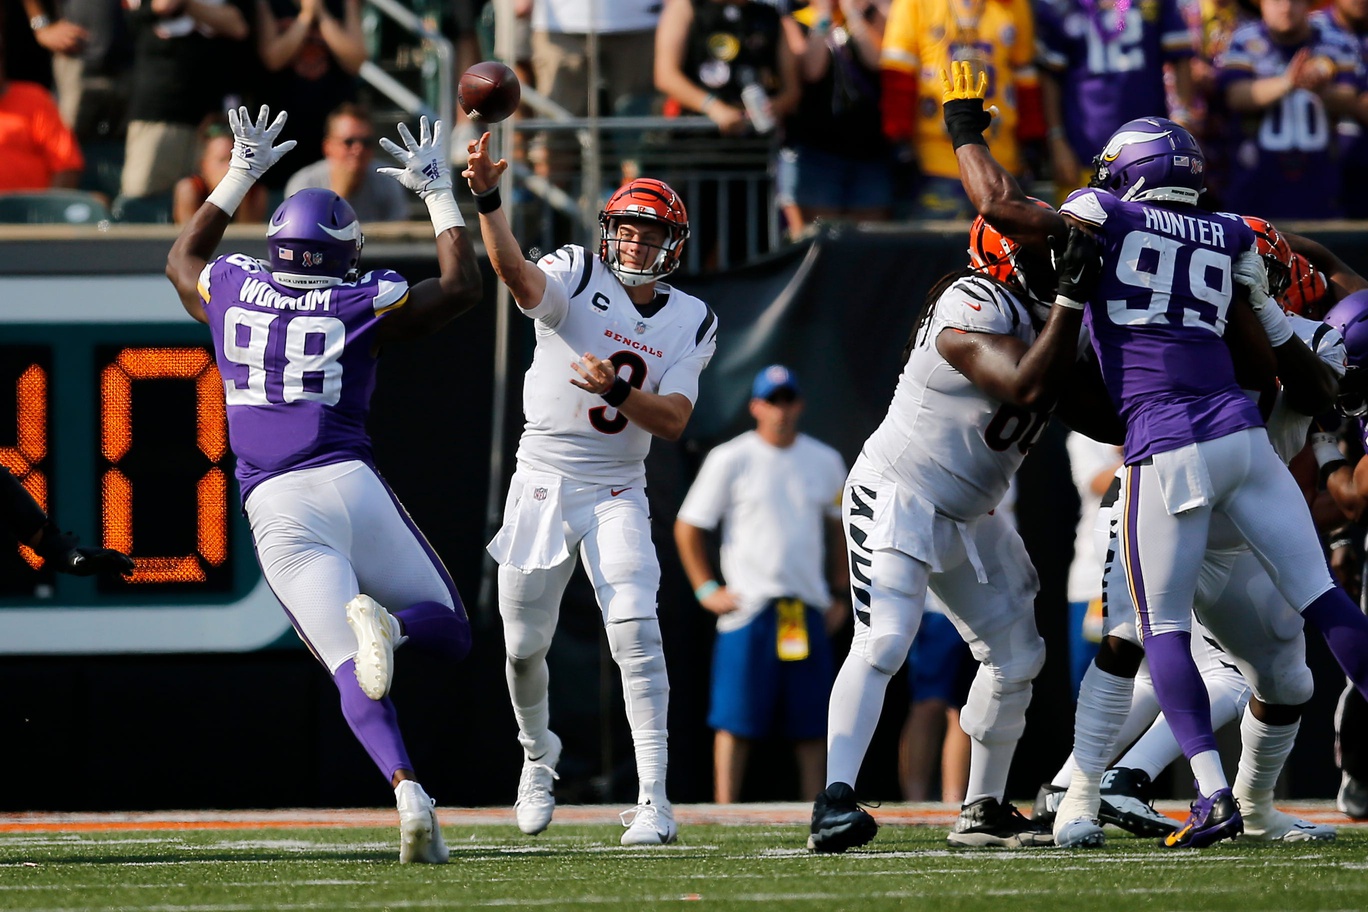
[585,309]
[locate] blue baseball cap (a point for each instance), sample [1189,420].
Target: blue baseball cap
[772,379]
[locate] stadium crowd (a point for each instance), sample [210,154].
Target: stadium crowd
[847,89]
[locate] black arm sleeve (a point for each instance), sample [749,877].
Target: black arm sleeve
[21,513]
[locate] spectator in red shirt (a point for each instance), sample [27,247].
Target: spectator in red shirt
[38,150]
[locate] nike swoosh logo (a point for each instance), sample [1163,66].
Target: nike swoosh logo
[614,492]
[975,306]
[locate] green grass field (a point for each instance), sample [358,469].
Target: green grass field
[577,866]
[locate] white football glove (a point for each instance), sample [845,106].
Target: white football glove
[1251,272]
[253,143]
[425,168]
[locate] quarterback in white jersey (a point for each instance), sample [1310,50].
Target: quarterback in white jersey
[977,388]
[617,361]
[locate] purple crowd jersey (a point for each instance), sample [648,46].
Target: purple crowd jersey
[1109,72]
[1283,162]
[298,366]
[1353,139]
[1158,316]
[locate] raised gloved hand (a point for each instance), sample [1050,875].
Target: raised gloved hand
[254,149]
[253,154]
[1078,268]
[424,161]
[426,172]
[962,104]
[66,555]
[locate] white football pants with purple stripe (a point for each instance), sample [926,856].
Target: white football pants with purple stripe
[1166,520]
[325,535]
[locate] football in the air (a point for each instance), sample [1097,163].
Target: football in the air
[489,91]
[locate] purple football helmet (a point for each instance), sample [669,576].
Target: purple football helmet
[1151,158]
[314,240]
[1350,317]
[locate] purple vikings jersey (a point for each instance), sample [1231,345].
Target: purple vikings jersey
[297,365]
[1353,138]
[1158,316]
[1108,76]
[1283,162]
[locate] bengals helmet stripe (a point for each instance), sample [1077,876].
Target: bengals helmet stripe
[992,252]
[1307,289]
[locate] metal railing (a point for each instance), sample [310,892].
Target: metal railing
[727,183]
[442,61]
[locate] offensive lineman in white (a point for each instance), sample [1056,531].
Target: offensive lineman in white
[976,390]
[617,361]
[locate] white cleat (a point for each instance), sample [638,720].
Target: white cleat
[649,824]
[377,633]
[1275,826]
[1079,833]
[420,836]
[535,803]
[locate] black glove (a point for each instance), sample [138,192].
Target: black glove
[965,121]
[66,555]
[1078,267]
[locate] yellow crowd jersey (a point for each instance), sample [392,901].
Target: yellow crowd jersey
[923,36]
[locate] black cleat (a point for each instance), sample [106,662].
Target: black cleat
[838,821]
[1047,803]
[1127,803]
[989,822]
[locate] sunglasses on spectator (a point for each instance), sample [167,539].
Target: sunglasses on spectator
[782,397]
[350,141]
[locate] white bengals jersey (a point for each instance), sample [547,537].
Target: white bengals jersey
[1287,428]
[573,433]
[943,436]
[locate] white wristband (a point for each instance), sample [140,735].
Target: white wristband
[1061,301]
[443,210]
[232,190]
[1275,322]
[1326,449]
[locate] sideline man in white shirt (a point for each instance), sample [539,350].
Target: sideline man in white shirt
[777,494]
[617,361]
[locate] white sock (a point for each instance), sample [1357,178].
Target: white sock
[1104,701]
[1082,801]
[1211,778]
[989,763]
[1065,775]
[1263,753]
[857,700]
[652,757]
[1144,709]
[1155,750]
[527,690]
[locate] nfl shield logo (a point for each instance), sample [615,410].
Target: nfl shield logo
[539,494]
[640,327]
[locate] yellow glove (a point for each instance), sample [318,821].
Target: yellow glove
[959,84]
